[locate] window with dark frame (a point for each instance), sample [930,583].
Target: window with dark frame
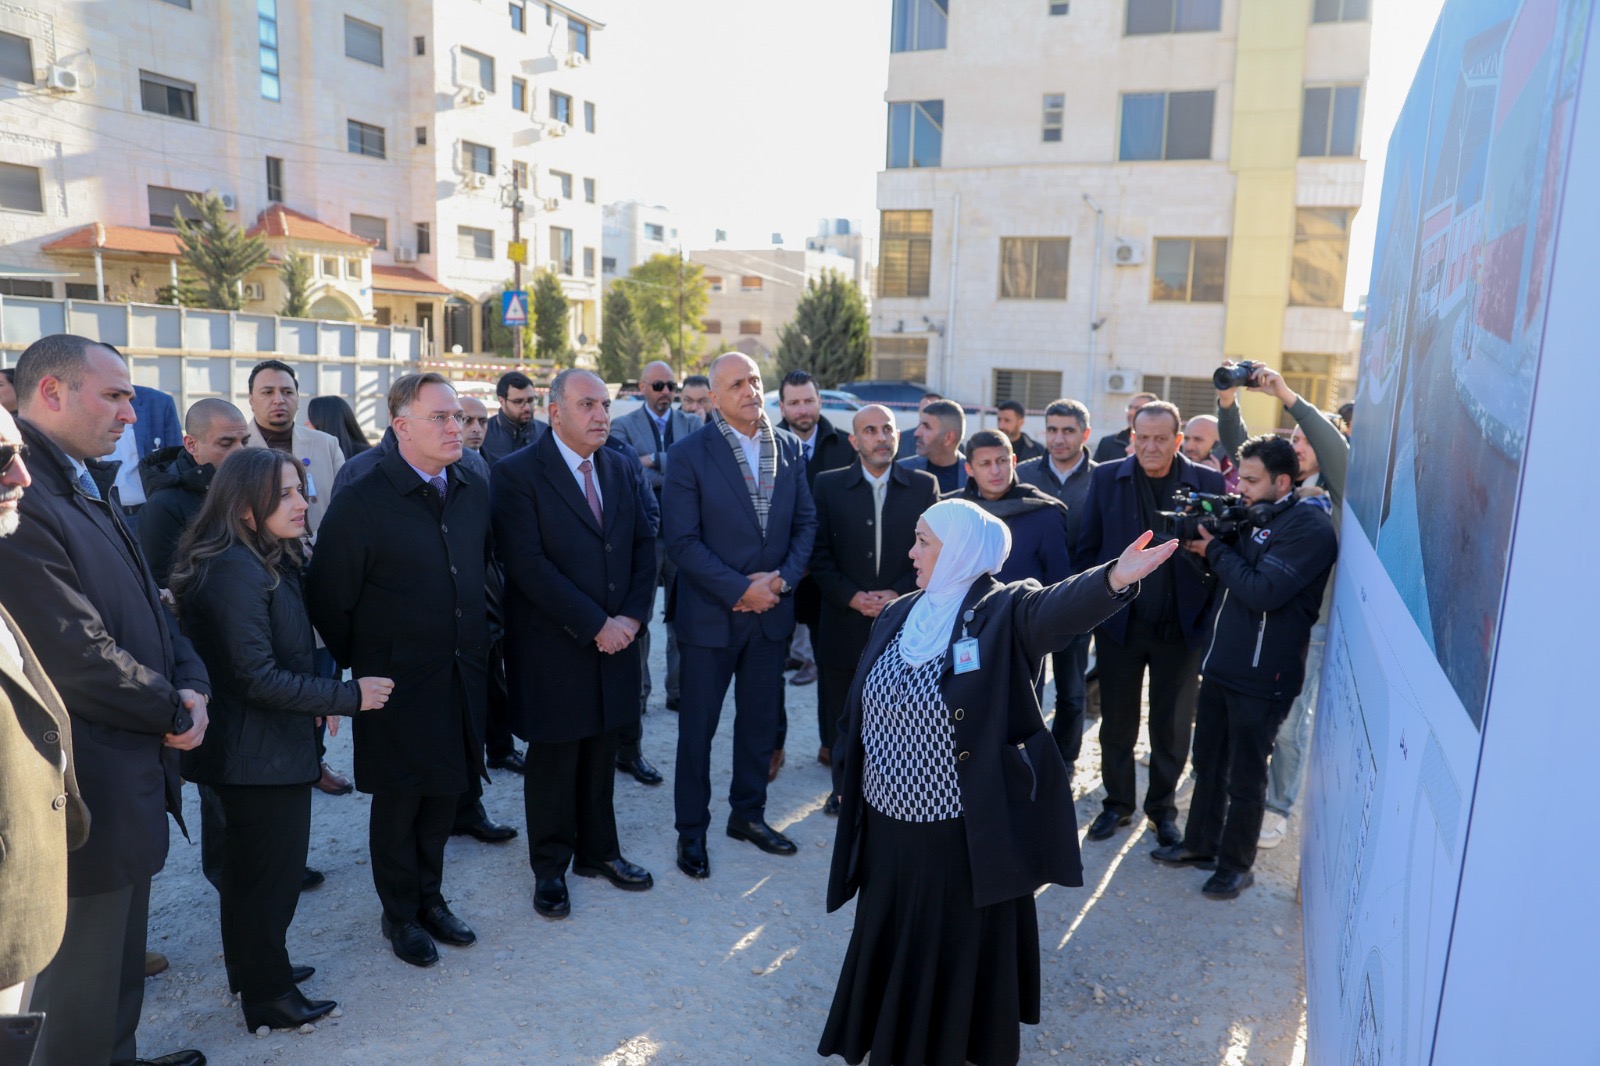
[588,116]
[274,179]
[916,134]
[1060,7]
[519,16]
[422,135]
[81,291]
[43,290]
[161,95]
[424,238]
[1033,389]
[419,45]
[477,158]
[1189,270]
[561,107]
[21,188]
[565,182]
[905,253]
[588,190]
[371,228]
[561,250]
[919,25]
[1172,16]
[577,37]
[1166,126]
[588,262]
[519,94]
[1055,111]
[1330,121]
[164,203]
[1034,268]
[363,41]
[16,58]
[365,139]
[267,37]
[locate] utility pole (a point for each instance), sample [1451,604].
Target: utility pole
[516,268]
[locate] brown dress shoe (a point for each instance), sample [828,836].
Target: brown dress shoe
[777,764]
[334,783]
[154,963]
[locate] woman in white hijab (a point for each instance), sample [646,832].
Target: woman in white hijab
[956,806]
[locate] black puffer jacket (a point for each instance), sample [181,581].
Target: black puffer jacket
[174,488]
[265,696]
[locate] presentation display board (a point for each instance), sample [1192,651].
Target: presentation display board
[1449,895]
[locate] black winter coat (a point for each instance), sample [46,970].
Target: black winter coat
[1022,829]
[175,488]
[397,589]
[830,450]
[1038,524]
[255,638]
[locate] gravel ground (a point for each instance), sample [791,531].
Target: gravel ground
[1138,967]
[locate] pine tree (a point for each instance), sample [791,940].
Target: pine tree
[219,252]
[669,297]
[296,275]
[621,344]
[831,334]
[550,318]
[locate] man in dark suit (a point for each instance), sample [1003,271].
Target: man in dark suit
[513,426]
[740,525]
[579,589]
[397,588]
[1161,632]
[1064,473]
[79,588]
[866,523]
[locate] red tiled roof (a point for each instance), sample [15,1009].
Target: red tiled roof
[406,280]
[283,222]
[119,239]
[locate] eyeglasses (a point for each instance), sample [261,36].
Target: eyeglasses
[9,454]
[441,419]
[657,386]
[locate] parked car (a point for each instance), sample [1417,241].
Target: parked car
[889,393]
[837,406]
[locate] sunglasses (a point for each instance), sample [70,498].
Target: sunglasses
[657,386]
[9,454]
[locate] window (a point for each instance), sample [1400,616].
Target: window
[167,96]
[1190,271]
[474,243]
[274,179]
[365,139]
[1060,7]
[477,69]
[187,5]
[422,135]
[654,232]
[1033,268]
[588,190]
[1189,394]
[372,228]
[916,133]
[519,16]
[588,116]
[477,158]
[561,107]
[363,41]
[519,94]
[1321,254]
[750,283]
[588,262]
[20,189]
[905,250]
[565,181]
[16,58]
[561,250]
[1033,389]
[1331,120]
[267,42]
[78,291]
[519,174]
[18,287]
[1166,125]
[577,37]
[749,327]
[419,45]
[918,25]
[711,325]
[608,264]
[1339,11]
[164,203]
[1173,16]
[1055,109]
[900,358]
[424,238]
[352,269]
[330,267]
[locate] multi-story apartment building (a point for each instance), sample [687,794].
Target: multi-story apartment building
[846,237]
[754,293]
[633,232]
[385,139]
[1087,199]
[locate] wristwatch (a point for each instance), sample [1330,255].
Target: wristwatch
[783,587]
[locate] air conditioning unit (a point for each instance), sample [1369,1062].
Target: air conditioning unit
[63,79]
[557,129]
[576,59]
[404,253]
[1122,380]
[228,202]
[478,181]
[477,95]
[552,204]
[255,290]
[554,266]
[1127,253]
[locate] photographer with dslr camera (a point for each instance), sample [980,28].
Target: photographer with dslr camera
[1272,570]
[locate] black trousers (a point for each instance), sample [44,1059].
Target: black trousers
[406,836]
[833,690]
[497,726]
[1174,682]
[1069,665]
[754,663]
[93,990]
[263,861]
[567,795]
[1233,738]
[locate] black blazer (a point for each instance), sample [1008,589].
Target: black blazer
[564,578]
[397,589]
[1022,830]
[842,562]
[79,588]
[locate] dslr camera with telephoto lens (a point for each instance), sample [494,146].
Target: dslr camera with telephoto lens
[1239,374]
[1223,516]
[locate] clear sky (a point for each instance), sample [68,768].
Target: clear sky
[761,117]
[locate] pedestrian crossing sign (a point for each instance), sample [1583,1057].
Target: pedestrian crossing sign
[514,308]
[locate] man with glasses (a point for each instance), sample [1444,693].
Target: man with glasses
[398,580]
[695,399]
[513,426]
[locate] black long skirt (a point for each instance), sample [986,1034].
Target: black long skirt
[929,979]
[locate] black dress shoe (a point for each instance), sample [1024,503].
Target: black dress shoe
[762,836]
[442,925]
[513,762]
[297,974]
[1178,855]
[640,768]
[1227,884]
[550,897]
[312,879]
[288,1011]
[692,857]
[411,942]
[672,703]
[620,872]
[1168,833]
[1106,823]
[177,1058]
[481,827]
[831,808]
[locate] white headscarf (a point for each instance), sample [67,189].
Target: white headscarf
[974,543]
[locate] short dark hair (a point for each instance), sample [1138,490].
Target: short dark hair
[60,355]
[699,381]
[949,415]
[1065,408]
[1013,406]
[407,387]
[270,364]
[511,379]
[987,438]
[798,379]
[1275,453]
[9,374]
[1155,407]
[932,396]
[1345,411]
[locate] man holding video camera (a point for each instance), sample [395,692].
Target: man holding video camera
[1271,570]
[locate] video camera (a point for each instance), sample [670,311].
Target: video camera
[1224,516]
[1239,374]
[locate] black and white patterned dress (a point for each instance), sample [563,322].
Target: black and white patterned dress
[909,772]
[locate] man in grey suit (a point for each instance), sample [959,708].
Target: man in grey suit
[652,429]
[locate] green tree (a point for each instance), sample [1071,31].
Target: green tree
[549,313]
[295,273]
[501,337]
[189,292]
[831,333]
[621,343]
[219,252]
[669,297]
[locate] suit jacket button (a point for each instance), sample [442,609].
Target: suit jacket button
[611,587]
[458,612]
[960,714]
[52,737]
[59,803]
[608,547]
[964,756]
[444,529]
[458,653]
[452,569]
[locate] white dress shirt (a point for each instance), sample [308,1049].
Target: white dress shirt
[573,459]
